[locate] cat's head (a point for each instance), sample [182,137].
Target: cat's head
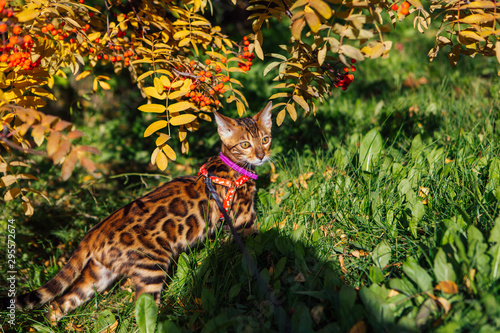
[247,140]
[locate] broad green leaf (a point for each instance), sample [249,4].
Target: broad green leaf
[146,313]
[157,125]
[182,119]
[381,255]
[379,313]
[494,251]
[235,290]
[156,108]
[168,327]
[443,270]
[208,300]
[370,149]
[280,266]
[105,321]
[417,274]
[403,285]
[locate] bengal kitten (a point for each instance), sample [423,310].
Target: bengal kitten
[139,240]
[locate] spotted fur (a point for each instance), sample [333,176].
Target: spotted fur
[139,240]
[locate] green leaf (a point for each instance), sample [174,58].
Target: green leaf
[370,149]
[168,327]
[417,274]
[381,255]
[347,297]
[443,270]
[403,285]
[379,313]
[208,300]
[494,251]
[235,290]
[105,320]
[280,266]
[146,313]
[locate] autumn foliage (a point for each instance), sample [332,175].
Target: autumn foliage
[184,66]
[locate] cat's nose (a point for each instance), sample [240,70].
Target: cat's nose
[260,155]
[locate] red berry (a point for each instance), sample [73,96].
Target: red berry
[207,62]
[394,7]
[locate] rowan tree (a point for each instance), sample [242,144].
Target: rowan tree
[184,65]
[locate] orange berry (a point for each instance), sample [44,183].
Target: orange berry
[208,74]
[54,32]
[223,60]
[192,86]
[202,79]
[247,43]
[353,69]
[113,59]
[16,30]
[45,30]
[245,38]
[217,68]
[118,58]
[404,11]
[405,5]
[3,27]
[192,63]
[87,26]
[202,104]
[212,92]
[105,57]
[207,62]
[50,26]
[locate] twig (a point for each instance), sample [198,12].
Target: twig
[21,148]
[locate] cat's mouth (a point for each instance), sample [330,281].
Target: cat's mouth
[259,162]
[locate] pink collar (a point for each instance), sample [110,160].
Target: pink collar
[237,168]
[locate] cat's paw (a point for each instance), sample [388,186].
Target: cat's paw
[54,313]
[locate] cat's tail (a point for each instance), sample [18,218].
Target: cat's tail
[56,286]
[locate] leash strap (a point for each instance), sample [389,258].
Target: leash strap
[227,183]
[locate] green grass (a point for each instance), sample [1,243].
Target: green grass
[343,242]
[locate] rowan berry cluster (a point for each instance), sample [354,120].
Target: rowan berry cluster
[208,84]
[16,48]
[404,10]
[344,78]
[246,56]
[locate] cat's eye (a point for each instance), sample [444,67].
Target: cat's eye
[245,144]
[265,140]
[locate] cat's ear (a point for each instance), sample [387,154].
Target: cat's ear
[264,117]
[225,125]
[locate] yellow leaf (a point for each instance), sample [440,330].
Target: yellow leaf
[322,8]
[164,79]
[297,27]
[477,18]
[185,147]
[69,165]
[351,52]
[169,152]
[104,85]
[53,143]
[184,42]
[182,119]
[448,287]
[95,85]
[177,94]
[162,138]
[152,92]
[181,106]
[27,15]
[291,111]
[240,107]
[7,180]
[156,108]
[312,19]
[258,45]
[61,151]
[497,50]
[158,85]
[82,75]
[28,208]
[154,155]
[469,37]
[12,194]
[322,54]
[157,125]
[161,161]
[280,95]
[145,75]
[181,34]
[280,117]
[301,101]
[88,165]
